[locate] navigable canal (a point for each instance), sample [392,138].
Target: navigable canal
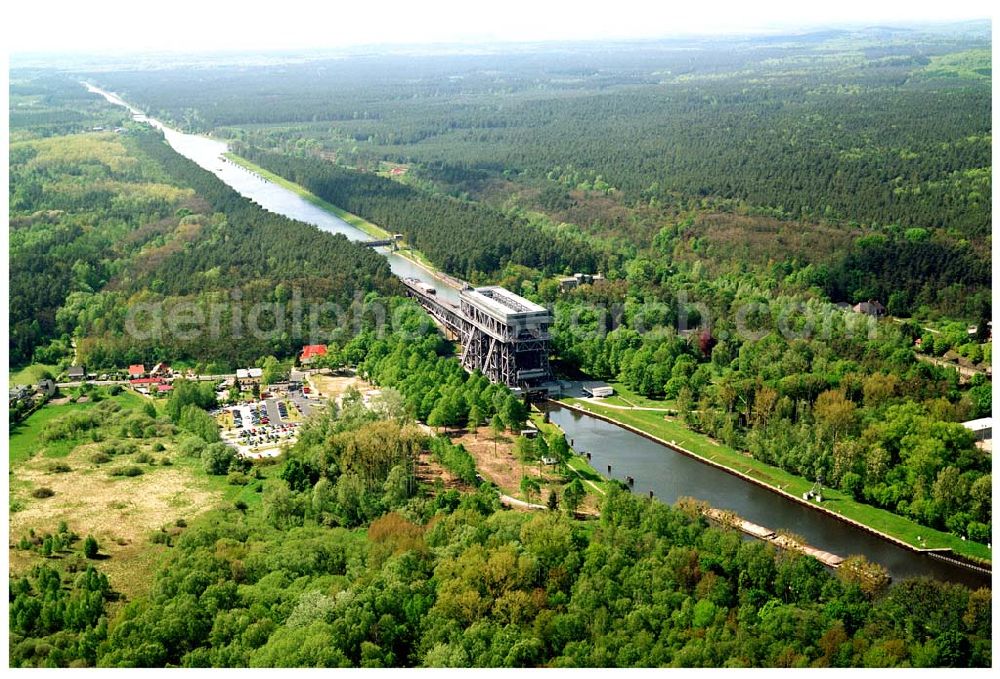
[207,153]
[672,475]
[669,474]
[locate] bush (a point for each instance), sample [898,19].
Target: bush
[166,462]
[192,447]
[979,532]
[43,492]
[158,447]
[143,458]
[181,523]
[241,505]
[119,448]
[130,470]
[238,479]
[90,547]
[100,458]
[59,468]
[217,458]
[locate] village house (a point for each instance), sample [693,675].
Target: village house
[870,308]
[311,352]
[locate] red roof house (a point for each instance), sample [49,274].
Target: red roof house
[146,380]
[137,370]
[164,387]
[311,351]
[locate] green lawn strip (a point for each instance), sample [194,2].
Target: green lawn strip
[881,520]
[24,436]
[625,396]
[31,374]
[577,464]
[352,219]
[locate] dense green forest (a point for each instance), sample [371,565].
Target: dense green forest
[102,220]
[463,238]
[878,132]
[347,561]
[733,193]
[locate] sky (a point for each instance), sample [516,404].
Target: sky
[223,25]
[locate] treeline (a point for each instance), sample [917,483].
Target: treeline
[804,129]
[459,584]
[466,239]
[909,272]
[805,386]
[101,223]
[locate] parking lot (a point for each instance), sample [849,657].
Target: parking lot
[261,428]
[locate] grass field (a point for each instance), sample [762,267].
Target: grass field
[624,396]
[122,512]
[24,437]
[32,374]
[881,520]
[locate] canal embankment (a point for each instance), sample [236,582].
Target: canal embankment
[775,482]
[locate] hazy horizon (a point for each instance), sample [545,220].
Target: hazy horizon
[63,28]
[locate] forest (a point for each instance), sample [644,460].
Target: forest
[345,561]
[856,126]
[738,197]
[466,239]
[879,135]
[102,220]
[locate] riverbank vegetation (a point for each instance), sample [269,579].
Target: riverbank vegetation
[103,220]
[732,194]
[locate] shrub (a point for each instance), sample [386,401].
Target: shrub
[100,458]
[144,458]
[90,547]
[59,468]
[238,479]
[158,447]
[241,505]
[979,532]
[217,458]
[181,523]
[129,470]
[42,492]
[166,461]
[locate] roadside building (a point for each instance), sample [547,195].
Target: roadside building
[161,369]
[311,352]
[568,283]
[47,388]
[982,428]
[144,385]
[76,372]
[870,308]
[136,371]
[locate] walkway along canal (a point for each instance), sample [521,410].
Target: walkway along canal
[671,475]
